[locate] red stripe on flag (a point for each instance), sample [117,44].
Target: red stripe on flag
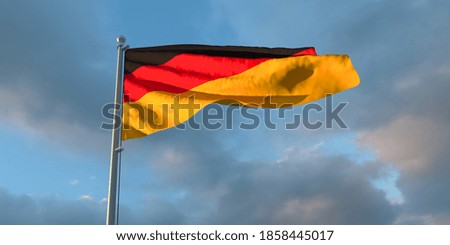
[309,51]
[186,71]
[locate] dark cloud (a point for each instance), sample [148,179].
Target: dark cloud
[210,186]
[417,148]
[152,210]
[403,54]
[27,209]
[55,68]
[400,51]
[316,191]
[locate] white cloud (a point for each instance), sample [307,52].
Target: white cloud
[307,209]
[442,218]
[301,153]
[74,182]
[104,200]
[417,148]
[408,142]
[86,198]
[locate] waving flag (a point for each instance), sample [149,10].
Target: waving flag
[165,86]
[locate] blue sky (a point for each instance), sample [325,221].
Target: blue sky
[391,166]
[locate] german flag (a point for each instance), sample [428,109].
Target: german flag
[166,85]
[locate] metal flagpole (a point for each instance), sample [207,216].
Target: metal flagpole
[116,144]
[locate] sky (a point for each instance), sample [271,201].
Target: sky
[390,166]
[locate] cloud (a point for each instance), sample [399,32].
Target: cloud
[399,112]
[28,209]
[74,182]
[417,148]
[399,60]
[152,210]
[54,70]
[308,190]
[408,143]
[86,198]
[204,184]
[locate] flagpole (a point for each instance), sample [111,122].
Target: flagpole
[116,141]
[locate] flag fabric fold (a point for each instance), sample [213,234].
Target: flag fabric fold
[165,86]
